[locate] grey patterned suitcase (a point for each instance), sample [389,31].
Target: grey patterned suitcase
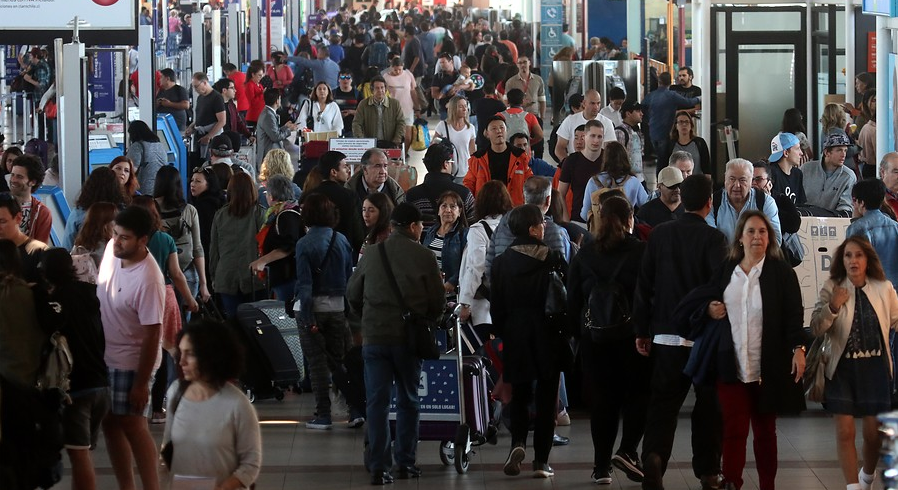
[276,314]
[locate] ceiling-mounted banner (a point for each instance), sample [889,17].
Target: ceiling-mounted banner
[56,14]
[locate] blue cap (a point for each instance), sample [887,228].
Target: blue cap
[780,143]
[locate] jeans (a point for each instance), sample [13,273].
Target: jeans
[193,283]
[385,364]
[230,302]
[284,292]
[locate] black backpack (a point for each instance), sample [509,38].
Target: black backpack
[608,310]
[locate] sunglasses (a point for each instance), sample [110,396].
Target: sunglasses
[345,77]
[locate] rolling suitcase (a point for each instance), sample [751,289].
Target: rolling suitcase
[477,398]
[271,366]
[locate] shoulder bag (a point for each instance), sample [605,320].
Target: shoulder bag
[815,371]
[419,332]
[167,452]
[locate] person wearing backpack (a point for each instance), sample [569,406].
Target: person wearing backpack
[375,55]
[520,121]
[601,285]
[443,87]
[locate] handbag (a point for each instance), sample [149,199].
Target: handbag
[556,300]
[608,311]
[815,369]
[167,451]
[420,332]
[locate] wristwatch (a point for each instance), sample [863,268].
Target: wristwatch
[800,347]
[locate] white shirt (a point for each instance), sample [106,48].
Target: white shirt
[572,122]
[461,140]
[742,298]
[612,114]
[329,119]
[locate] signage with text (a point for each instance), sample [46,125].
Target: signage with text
[56,14]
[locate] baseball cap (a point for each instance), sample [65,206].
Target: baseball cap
[670,177]
[221,146]
[836,137]
[630,106]
[780,143]
[404,214]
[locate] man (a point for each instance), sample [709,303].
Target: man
[335,173]
[347,98]
[662,106]
[221,151]
[438,162]
[827,183]
[882,231]
[785,158]
[30,249]
[581,166]
[512,48]
[209,115]
[737,196]
[353,59]
[888,172]
[616,97]
[629,135]
[519,121]
[39,74]
[323,69]
[537,165]
[269,133]
[374,178]
[131,290]
[336,49]
[680,255]
[385,348]
[443,86]
[532,85]
[239,78]
[379,117]
[592,103]
[764,181]
[685,87]
[234,122]
[26,177]
[485,108]
[566,39]
[413,55]
[683,161]
[500,161]
[667,206]
[172,98]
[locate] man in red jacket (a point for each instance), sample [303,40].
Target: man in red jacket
[500,161]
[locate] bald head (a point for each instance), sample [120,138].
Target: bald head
[888,171]
[592,103]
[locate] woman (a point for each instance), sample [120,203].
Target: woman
[207,197]
[6,160]
[866,139]
[613,258]
[857,308]
[793,122]
[532,352]
[285,227]
[493,202]
[323,267]
[127,178]
[279,72]
[458,130]
[147,153]
[762,338]
[212,426]
[231,248]
[683,136]
[102,185]
[96,231]
[376,211]
[617,173]
[447,239]
[402,87]
[182,222]
[276,162]
[577,234]
[254,92]
[321,113]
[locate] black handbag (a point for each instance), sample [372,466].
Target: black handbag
[556,299]
[167,452]
[420,332]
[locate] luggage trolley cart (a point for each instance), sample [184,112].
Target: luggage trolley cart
[454,401]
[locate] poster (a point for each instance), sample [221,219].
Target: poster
[56,14]
[102,82]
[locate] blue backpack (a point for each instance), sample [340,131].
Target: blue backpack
[377,54]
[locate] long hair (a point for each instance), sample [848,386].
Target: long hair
[95,229]
[453,196]
[837,271]
[617,161]
[12,151]
[737,252]
[452,107]
[384,206]
[242,195]
[492,199]
[148,203]
[330,93]
[102,185]
[615,223]
[276,162]
[793,121]
[129,189]
[168,187]
[140,131]
[833,117]
[674,134]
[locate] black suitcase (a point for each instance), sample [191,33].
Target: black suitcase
[270,366]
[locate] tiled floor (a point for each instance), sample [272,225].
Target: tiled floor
[295,457]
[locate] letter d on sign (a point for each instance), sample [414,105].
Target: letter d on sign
[826,262]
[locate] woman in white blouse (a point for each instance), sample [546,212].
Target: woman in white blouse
[321,113]
[460,132]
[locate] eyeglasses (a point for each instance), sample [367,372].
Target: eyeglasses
[758,180]
[345,77]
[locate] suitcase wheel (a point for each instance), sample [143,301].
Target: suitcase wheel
[447,453]
[462,448]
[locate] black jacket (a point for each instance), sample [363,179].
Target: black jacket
[425,195]
[680,256]
[350,208]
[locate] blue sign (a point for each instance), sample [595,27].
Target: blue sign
[550,35]
[102,82]
[277,8]
[438,388]
[551,14]
[547,53]
[12,69]
[879,7]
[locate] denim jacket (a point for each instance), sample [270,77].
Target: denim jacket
[882,232]
[453,245]
[310,252]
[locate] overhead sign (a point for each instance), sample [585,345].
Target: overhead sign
[353,148]
[56,14]
[879,7]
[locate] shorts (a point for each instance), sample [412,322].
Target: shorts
[81,420]
[120,383]
[409,119]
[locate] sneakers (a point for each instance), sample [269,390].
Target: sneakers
[158,418]
[602,477]
[865,480]
[563,418]
[542,470]
[356,419]
[320,423]
[513,463]
[630,465]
